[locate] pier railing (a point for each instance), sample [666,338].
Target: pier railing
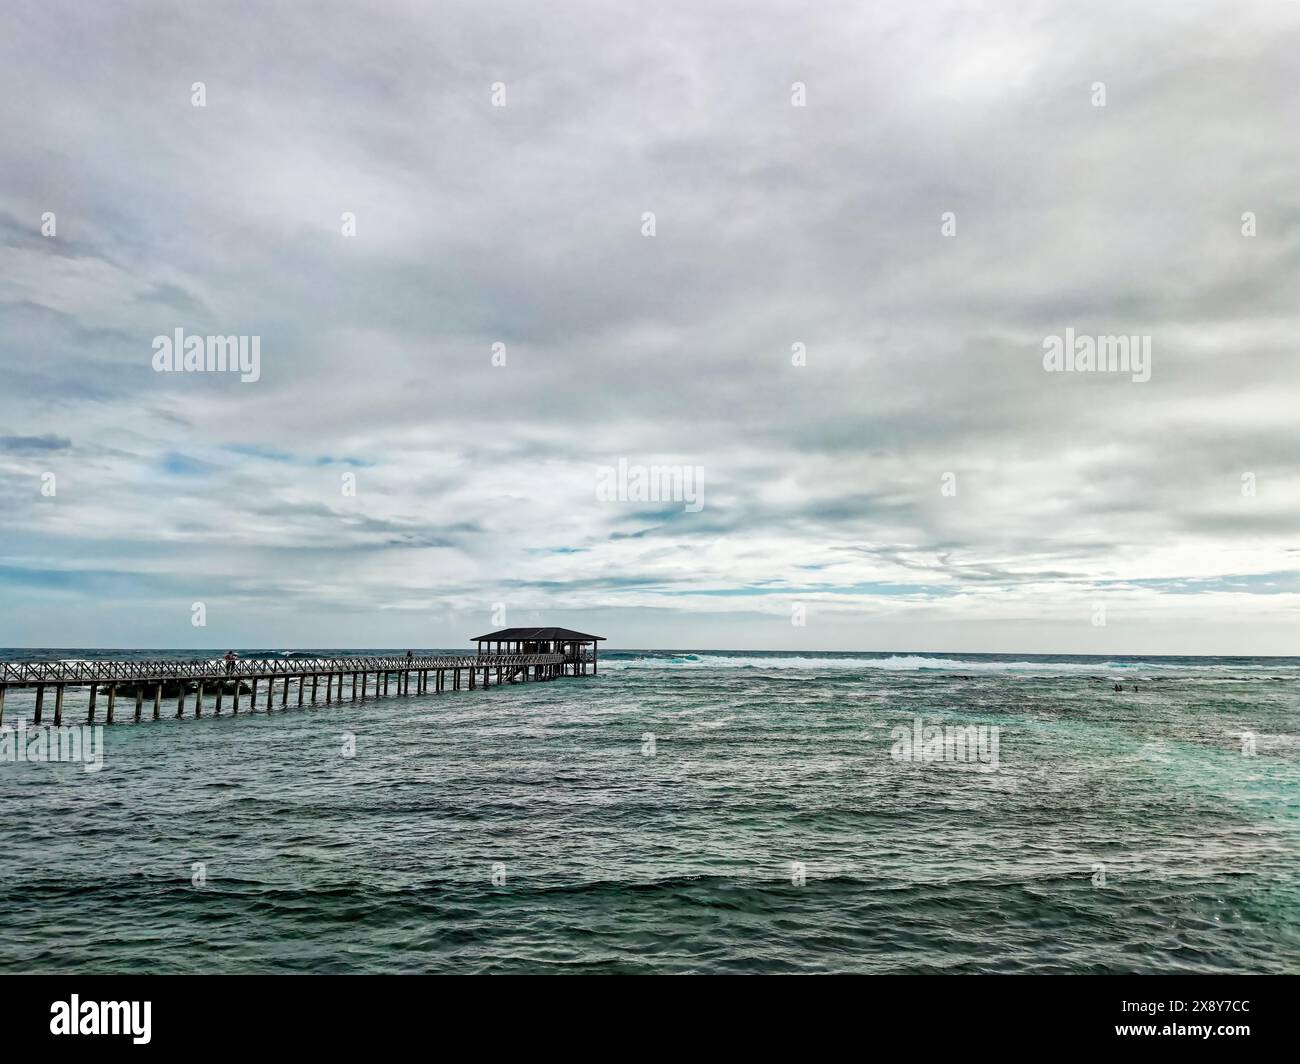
[20,673]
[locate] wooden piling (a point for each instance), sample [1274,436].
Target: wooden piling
[139,701]
[198,701]
[90,707]
[314,678]
[40,703]
[221,690]
[3,688]
[302,682]
[157,702]
[58,704]
[284,695]
[180,704]
[112,703]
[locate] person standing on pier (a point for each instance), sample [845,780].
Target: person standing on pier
[230,660]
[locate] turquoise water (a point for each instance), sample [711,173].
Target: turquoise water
[623,857]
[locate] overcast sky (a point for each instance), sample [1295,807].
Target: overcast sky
[774,225]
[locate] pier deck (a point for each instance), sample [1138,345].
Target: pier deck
[338,679]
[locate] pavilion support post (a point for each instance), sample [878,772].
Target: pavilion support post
[94,698]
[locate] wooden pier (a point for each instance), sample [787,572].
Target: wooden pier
[286,681]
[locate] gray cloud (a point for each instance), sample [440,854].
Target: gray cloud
[776,225]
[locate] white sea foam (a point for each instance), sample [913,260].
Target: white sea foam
[918,663]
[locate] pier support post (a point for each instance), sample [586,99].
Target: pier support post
[473,683]
[112,703]
[40,703]
[329,687]
[139,701]
[198,700]
[58,704]
[314,679]
[221,690]
[180,702]
[90,709]
[284,695]
[302,682]
[3,689]
[234,712]
[157,701]
[270,692]
[354,687]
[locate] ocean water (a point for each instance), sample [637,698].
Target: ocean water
[683,812]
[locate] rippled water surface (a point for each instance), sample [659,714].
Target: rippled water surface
[623,854]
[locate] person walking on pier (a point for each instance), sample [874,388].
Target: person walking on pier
[409,656]
[230,661]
